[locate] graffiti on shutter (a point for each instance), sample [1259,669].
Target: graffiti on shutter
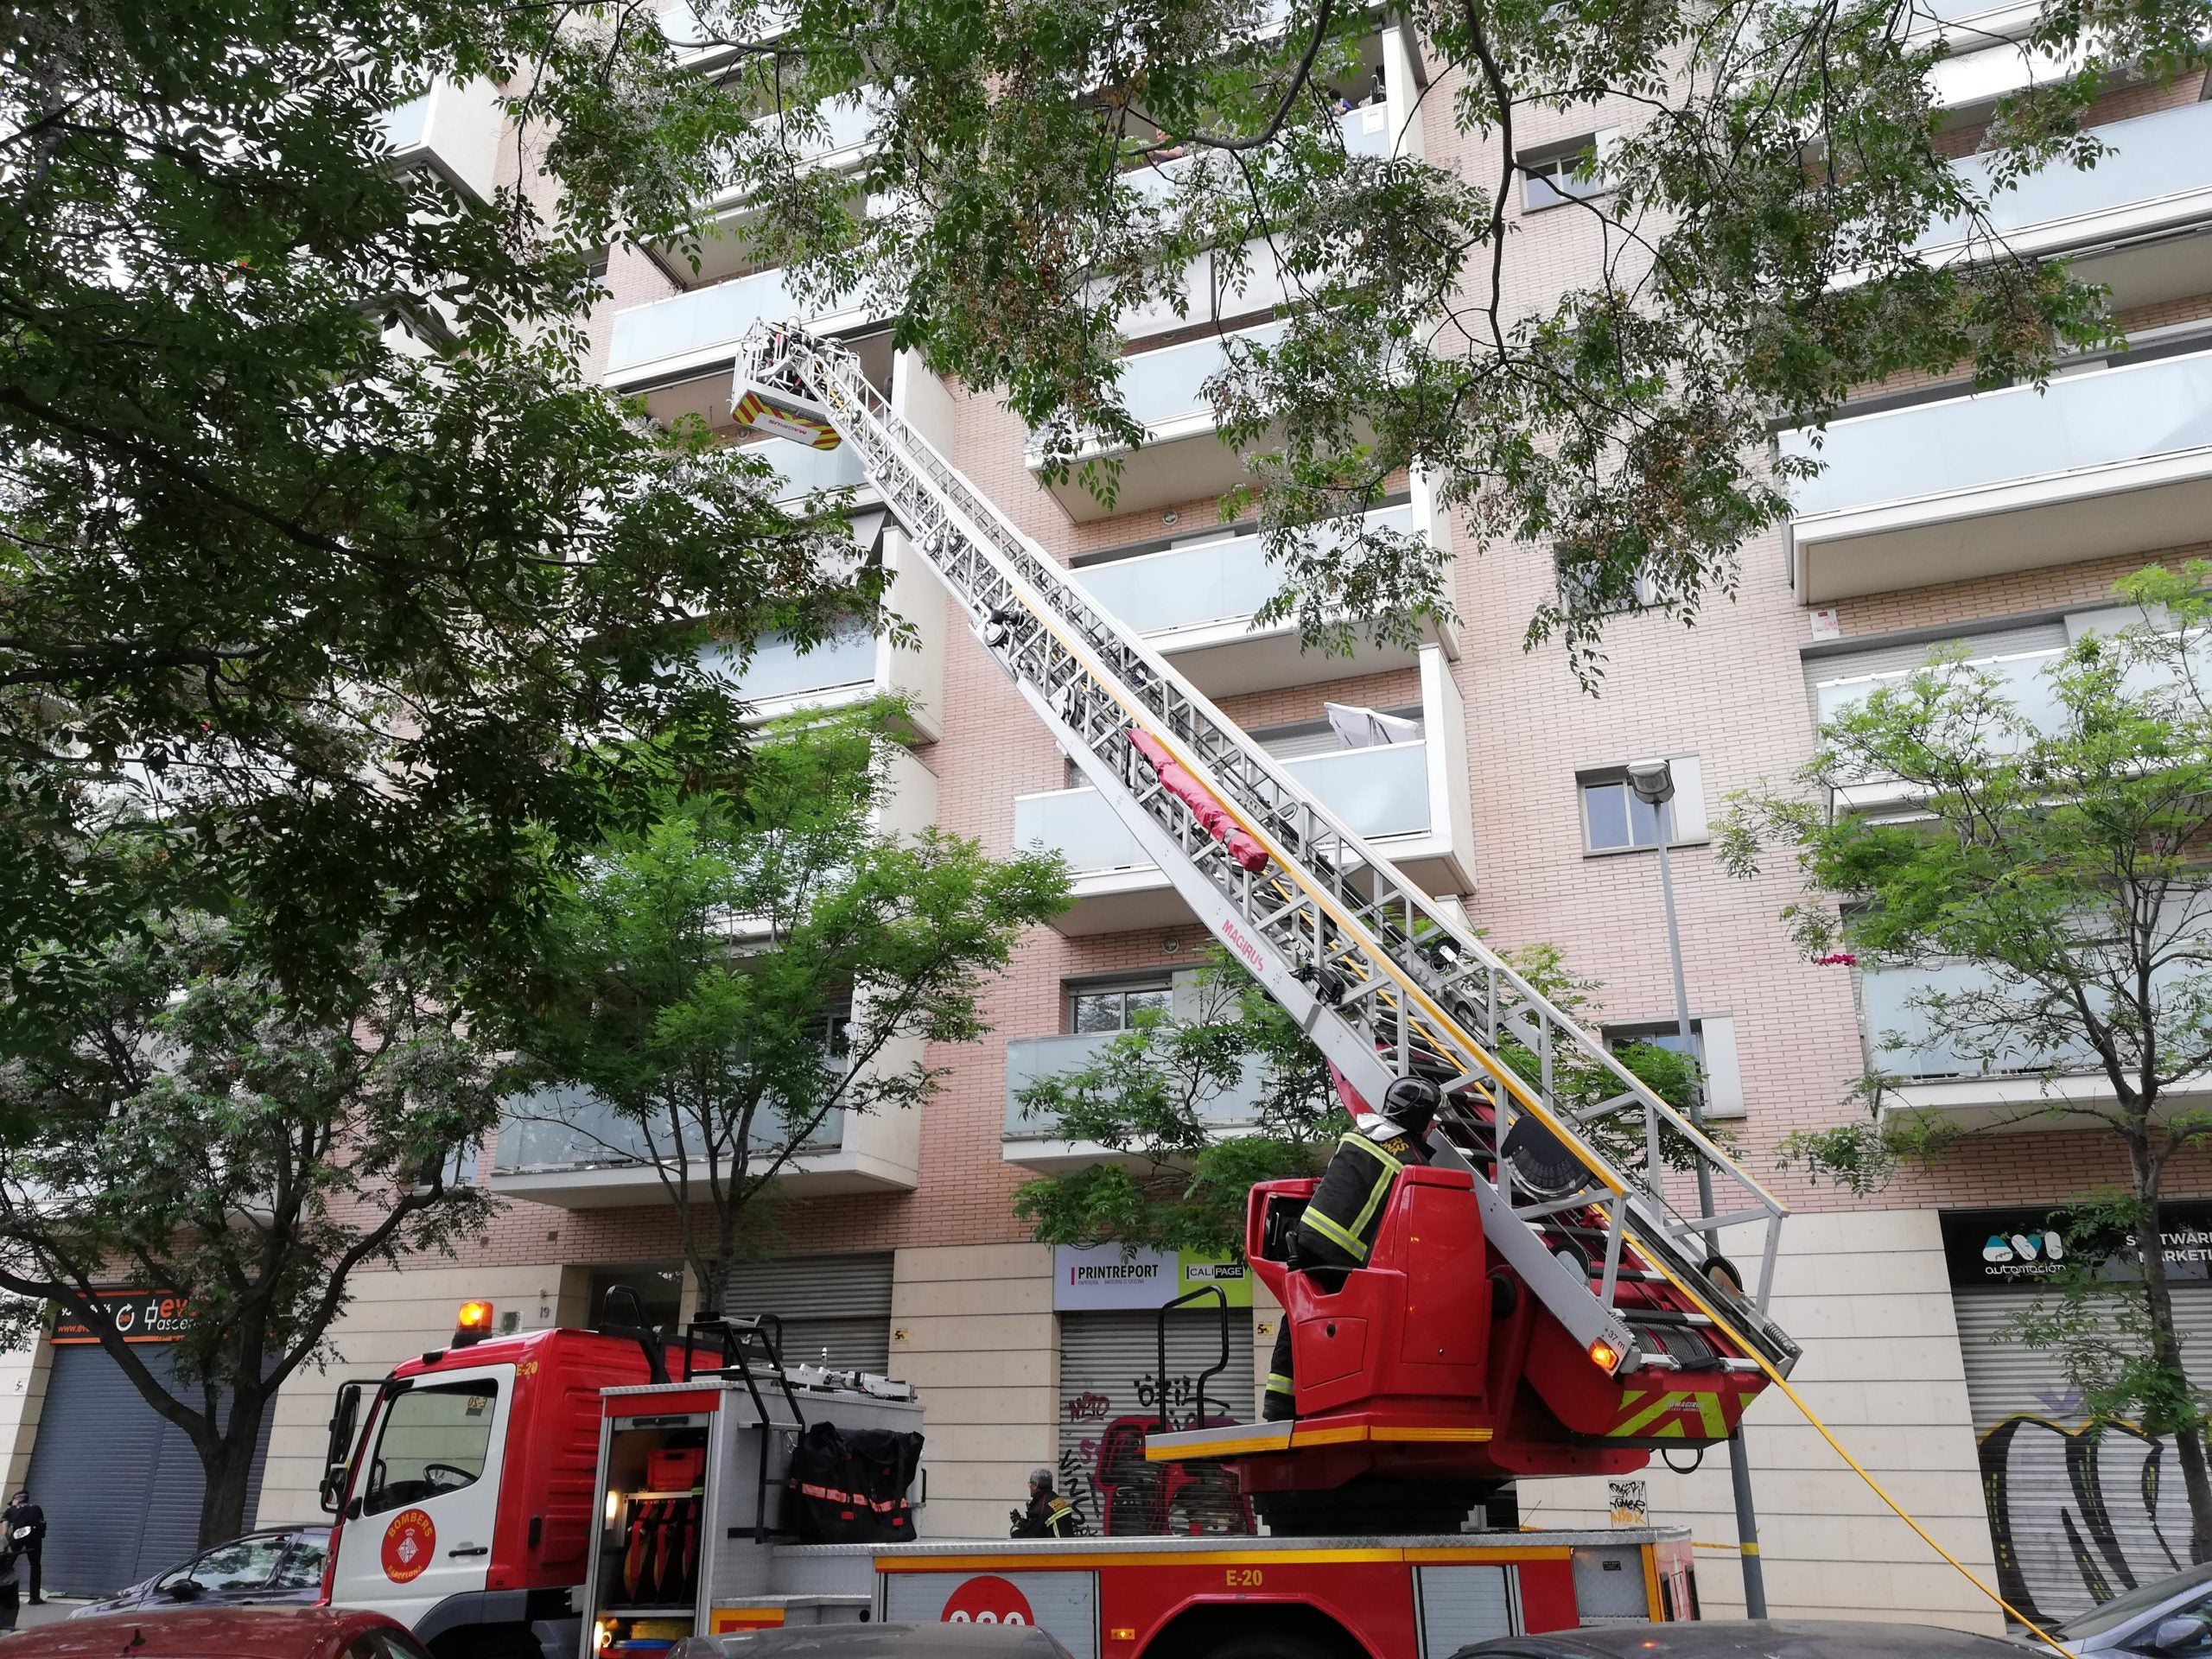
[2079,1510]
[1109,1374]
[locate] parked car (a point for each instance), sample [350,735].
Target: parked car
[221,1633]
[1739,1638]
[2166,1618]
[283,1565]
[954,1640]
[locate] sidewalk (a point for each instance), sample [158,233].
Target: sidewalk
[49,1611]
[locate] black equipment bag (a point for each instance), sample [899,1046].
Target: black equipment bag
[851,1488]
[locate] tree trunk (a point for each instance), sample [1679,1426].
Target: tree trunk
[226,1461]
[2166,1351]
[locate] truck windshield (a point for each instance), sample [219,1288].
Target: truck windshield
[433,1439]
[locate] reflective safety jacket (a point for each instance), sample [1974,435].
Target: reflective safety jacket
[1049,1515]
[1338,1227]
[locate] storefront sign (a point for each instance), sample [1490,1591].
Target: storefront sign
[1092,1276]
[2015,1247]
[137,1315]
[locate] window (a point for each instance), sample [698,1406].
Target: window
[301,1568]
[1575,592]
[1712,1045]
[243,1564]
[1615,821]
[1558,174]
[1114,1007]
[432,1441]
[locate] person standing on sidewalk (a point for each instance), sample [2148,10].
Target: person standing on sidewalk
[10,1575]
[20,1513]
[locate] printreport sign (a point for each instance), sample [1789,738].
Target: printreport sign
[2017,1247]
[1089,1277]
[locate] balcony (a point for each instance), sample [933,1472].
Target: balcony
[455,131]
[1194,605]
[679,351]
[571,1150]
[2131,222]
[846,139]
[1183,456]
[1038,1144]
[2110,461]
[1409,800]
[2013,1090]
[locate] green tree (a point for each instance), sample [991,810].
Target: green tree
[2053,849]
[326,576]
[1192,1110]
[724,982]
[176,1121]
[1754,238]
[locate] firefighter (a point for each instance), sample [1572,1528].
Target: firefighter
[1339,1224]
[1049,1515]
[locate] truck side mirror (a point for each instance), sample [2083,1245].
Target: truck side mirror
[345,1419]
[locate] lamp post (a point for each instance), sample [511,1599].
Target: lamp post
[1653,781]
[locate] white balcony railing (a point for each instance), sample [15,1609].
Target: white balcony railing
[1029,1059]
[700,329]
[807,471]
[1379,792]
[2076,424]
[1188,588]
[780,670]
[2155,175]
[562,1129]
[453,128]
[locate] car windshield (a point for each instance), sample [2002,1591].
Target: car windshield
[2109,1615]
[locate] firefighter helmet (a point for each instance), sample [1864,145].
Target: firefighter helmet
[1411,1103]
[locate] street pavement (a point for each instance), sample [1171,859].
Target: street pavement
[49,1611]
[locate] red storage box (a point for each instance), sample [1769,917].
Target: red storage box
[676,1471]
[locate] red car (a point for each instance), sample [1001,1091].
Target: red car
[220,1633]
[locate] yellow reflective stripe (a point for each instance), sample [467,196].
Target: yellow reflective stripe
[1390,1168]
[1329,1229]
[1278,1383]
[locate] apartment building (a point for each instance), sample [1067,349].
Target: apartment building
[2001,519]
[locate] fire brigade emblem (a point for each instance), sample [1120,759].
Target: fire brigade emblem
[408,1542]
[987,1600]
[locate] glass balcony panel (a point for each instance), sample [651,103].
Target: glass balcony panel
[574,1129]
[407,126]
[1031,1058]
[2146,159]
[806,470]
[1194,587]
[1377,791]
[2025,677]
[1997,437]
[1167,385]
[1887,993]
[1081,828]
[1366,131]
[779,668]
[705,318]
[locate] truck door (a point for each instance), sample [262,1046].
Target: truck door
[418,1526]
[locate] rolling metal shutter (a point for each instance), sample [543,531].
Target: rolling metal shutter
[120,1484]
[1110,1366]
[836,1309]
[2078,1512]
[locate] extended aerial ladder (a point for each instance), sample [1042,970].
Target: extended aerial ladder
[1607,1322]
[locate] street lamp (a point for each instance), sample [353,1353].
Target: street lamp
[1653,781]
